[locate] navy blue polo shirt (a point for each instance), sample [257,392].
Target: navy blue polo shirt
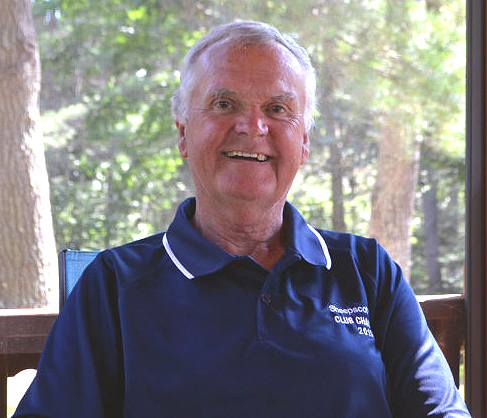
[173,326]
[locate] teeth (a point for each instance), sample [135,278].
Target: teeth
[260,157]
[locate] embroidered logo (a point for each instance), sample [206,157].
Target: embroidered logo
[357,316]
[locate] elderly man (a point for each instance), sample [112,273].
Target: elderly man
[241,309]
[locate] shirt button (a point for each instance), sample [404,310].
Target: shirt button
[266,298]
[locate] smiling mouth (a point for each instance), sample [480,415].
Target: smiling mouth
[247,156]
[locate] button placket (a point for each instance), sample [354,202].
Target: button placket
[268,302]
[266,299]
[263,305]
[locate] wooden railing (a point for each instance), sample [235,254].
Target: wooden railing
[23,333]
[447,321]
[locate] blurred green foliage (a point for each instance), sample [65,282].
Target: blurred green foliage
[111,66]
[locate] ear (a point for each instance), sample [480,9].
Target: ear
[182,142]
[305,148]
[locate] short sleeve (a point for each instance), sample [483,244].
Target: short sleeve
[80,373]
[420,381]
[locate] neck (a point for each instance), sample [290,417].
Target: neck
[244,230]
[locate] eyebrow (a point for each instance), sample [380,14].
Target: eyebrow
[223,93]
[284,97]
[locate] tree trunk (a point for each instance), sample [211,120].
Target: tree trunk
[28,267]
[336,165]
[336,169]
[432,242]
[393,196]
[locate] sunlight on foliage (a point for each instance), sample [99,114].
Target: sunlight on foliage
[110,68]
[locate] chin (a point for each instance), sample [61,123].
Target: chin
[253,197]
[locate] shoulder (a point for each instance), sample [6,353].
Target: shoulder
[363,250]
[340,241]
[130,261]
[364,258]
[143,250]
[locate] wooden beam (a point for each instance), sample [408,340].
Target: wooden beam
[475,289]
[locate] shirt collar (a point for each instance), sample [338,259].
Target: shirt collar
[305,239]
[194,255]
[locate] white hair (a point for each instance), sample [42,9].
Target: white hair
[243,33]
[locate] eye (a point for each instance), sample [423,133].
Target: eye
[223,104]
[276,108]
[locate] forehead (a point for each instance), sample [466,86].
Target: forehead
[269,68]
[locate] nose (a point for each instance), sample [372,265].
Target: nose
[252,122]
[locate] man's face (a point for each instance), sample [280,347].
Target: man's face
[245,135]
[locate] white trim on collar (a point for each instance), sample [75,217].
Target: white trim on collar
[190,276]
[324,247]
[174,259]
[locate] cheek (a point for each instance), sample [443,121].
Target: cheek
[208,135]
[297,144]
